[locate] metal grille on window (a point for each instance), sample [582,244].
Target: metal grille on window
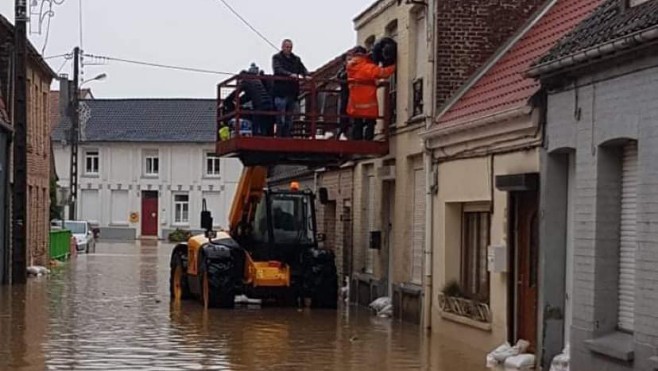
[418,235]
[628,238]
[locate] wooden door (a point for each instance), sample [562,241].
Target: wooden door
[527,251]
[149,213]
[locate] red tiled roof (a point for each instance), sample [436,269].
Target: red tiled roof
[504,86]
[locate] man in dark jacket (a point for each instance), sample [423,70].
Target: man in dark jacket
[285,93]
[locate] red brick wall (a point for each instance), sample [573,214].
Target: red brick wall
[469,32]
[38,166]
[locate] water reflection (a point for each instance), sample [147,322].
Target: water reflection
[111,310]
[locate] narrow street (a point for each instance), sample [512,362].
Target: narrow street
[111,310]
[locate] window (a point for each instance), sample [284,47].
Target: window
[212,165]
[420,59]
[181,209]
[475,239]
[392,32]
[92,161]
[151,163]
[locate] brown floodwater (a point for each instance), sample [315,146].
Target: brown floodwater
[111,311]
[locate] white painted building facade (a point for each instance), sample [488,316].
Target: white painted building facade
[114,177]
[146,165]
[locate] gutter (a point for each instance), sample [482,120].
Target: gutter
[428,253]
[470,124]
[598,51]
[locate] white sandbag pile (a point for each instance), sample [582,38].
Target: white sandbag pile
[511,358]
[382,306]
[561,361]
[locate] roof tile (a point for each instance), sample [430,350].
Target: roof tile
[611,21]
[147,120]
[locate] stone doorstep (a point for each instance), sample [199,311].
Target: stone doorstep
[617,345]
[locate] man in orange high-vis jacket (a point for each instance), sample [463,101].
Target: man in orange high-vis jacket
[362,76]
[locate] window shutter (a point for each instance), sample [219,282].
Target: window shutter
[418,231]
[628,238]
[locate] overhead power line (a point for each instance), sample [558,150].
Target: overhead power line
[248,24]
[158,65]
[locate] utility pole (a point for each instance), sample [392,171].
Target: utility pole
[74,113]
[19,201]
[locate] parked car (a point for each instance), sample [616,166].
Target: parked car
[82,232]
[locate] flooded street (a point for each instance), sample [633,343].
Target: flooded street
[111,311]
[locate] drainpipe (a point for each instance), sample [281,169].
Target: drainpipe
[428,165]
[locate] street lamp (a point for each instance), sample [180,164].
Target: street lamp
[101,76]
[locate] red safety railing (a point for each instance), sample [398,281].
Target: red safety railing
[311,119]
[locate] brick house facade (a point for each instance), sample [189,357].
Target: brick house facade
[390,193]
[39,78]
[470,32]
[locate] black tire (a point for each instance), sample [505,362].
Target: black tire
[221,283]
[177,263]
[326,292]
[385,51]
[321,279]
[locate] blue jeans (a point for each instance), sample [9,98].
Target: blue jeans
[286,106]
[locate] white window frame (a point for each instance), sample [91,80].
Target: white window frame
[89,155]
[178,216]
[150,158]
[210,167]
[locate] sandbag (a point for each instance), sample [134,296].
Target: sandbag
[522,362]
[561,361]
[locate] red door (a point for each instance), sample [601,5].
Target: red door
[527,250]
[149,213]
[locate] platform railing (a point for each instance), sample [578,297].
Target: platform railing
[308,119]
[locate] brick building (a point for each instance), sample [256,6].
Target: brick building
[600,175]
[39,78]
[440,45]
[487,140]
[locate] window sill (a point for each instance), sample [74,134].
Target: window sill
[416,119]
[91,175]
[410,288]
[617,345]
[466,321]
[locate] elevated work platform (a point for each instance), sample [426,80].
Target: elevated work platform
[320,134]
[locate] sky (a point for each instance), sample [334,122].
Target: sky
[200,34]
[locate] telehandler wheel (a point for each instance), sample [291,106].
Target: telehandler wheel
[325,293]
[179,288]
[217,284]
[321,279]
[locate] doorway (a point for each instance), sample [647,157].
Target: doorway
[388,208]
[525,240]
[149,213]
